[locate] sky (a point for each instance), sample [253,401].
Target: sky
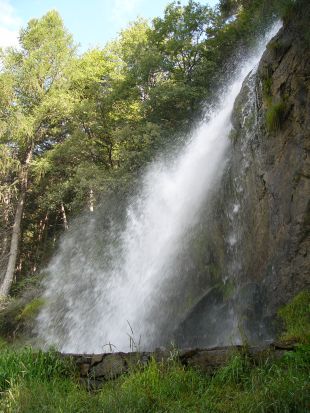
[92,22]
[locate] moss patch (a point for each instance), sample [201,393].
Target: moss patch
[296,318]
[31,309]
[266,85]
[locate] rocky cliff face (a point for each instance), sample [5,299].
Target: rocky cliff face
[275,210]
[262,207]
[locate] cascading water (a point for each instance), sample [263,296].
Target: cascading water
[99,294]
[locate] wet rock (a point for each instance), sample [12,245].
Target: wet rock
[84,369]
[259,235]
[110,367]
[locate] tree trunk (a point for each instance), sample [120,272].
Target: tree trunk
[4,253]
[64,217]
[9,275]
[91,200]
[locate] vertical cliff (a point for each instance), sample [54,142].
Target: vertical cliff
[275,205]
[259,234]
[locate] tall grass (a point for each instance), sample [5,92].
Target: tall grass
[26,365]
[275,116]
[37,382]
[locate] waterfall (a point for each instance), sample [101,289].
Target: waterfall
[117,293]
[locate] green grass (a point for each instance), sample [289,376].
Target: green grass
[26,365]
[267,84]
[275,116]
[41,382]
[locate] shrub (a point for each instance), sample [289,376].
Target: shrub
[28,283]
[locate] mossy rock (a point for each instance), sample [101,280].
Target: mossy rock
[228,289]
[266,86]
[31,309]
[296,318]
[17,317]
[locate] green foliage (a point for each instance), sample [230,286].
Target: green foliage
[3,344]
[266,85]
[275,116]
[9,312]
[159,387]
[57,395]
[296,318]
[33,382]
[269,387]
[31,309]
[287,9]
[228,7]
[296,13]
[17,315]
[26,365]
[235,371]
[34,106]
[93,122]
[26,285]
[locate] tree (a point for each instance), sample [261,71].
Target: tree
[32,79]
[75,127]
[180,36]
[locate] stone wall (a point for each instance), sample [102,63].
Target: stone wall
[95,369]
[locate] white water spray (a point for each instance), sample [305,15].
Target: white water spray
[89,303]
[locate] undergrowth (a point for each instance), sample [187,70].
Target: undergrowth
[35,382]
[18,311]
[31,309]
[41,382]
